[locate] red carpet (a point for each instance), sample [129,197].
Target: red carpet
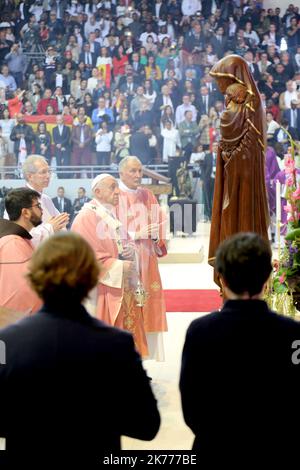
[192,300]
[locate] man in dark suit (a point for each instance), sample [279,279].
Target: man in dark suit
[240,369]
[162,100]
[62,203]
[281,136]
[79,201]
[208,174]
[138,69]
[139,145]
[22,133]
[292,115]
[219,42]
[61,135]
[205,101]
[88,57]
[70,367]
[128,85]
[81,138]
[94,45]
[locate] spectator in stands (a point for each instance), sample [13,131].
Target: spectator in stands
[282,137]
[171,141]
[7,80]
[188,131]
[22,135]
[120,60]
[101,113]
[62,203]
[272,126]
[248,56]
[251,35]
[183,108]
[139,145]
[87,56]
[7,124]
[43,141]
[293,33]
[292,116]
[47,99]
[136,102]
[81,139]
[152,70]
[16,62]
[219,42]
[143,116]
[122,140]
[287,96]
[269,89]
[103,139]
[79,201]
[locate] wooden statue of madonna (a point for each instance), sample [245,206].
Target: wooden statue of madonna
[240,197]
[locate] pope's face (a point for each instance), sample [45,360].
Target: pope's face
[131,174]
[108,192]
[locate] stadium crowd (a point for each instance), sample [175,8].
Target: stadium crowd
[90,82]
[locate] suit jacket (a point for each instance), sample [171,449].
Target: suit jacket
[71,368]
[75,136]
[67,205]
[29,137]
[206,167]
[287,115]
[158,103]
[201,106]
[291,130]
[78,203]
[64,138]
[139,73]
[220,47]
[82,58]
[124,87]
[139,146]
[97,49]
[188,133]
[163,11]
[236,382]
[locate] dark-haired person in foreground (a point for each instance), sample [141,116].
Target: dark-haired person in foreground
[239,378]
[24,211]
[71,384]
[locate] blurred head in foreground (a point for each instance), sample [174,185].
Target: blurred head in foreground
[243,263]
[63,270]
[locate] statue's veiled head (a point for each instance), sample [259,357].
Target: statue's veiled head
[230,70]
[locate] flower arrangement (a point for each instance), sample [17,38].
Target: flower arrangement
[284,292]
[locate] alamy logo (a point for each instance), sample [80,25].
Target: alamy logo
[296,354]
[2,353]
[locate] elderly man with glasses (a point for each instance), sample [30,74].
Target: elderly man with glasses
[37,175]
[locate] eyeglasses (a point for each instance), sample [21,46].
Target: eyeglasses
[36,205]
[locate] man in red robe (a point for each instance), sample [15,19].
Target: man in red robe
[113,301]
[142,218]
